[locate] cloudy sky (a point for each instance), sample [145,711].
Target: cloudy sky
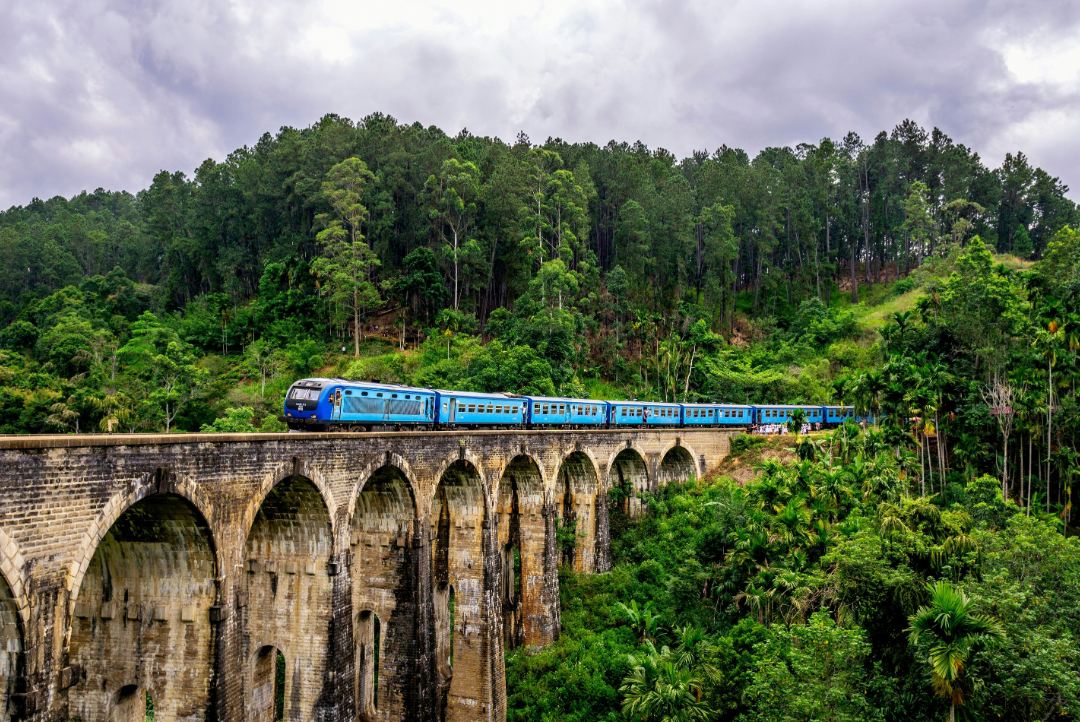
[107,92]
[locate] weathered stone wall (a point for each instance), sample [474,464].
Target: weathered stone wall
[179,566]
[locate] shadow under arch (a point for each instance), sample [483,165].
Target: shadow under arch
[577,493]
[392,461]
[522,535]
[677,465]
[142,615]
[459,512]
[628,479]
[158,482]
[283,472]
[12,646]
[288,589]
[385,576]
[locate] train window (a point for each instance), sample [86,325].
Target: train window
[394,396]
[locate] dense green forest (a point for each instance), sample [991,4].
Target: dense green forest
[827,589]
[901,275]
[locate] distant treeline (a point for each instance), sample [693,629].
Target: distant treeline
[785,225]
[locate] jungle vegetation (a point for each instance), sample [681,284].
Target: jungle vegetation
[830,588]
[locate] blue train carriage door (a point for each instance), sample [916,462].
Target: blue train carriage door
[335,403]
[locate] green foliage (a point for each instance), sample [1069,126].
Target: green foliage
[823,590]
[346,266]
[946,631]
[814,671]
[741,443]
[236,420]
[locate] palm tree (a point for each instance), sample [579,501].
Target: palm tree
[643,620]
[947,631]
[659,689]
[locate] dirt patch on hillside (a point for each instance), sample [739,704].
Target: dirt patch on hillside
[742,466]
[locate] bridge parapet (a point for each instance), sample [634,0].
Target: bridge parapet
[345,558]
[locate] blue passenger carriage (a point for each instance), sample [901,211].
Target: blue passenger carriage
[717,415]
[554,411]
[781,413]
[838,414]
[644,413]
[470,408]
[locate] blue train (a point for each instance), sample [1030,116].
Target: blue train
[330,404]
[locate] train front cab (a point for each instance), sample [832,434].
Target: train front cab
[307,404]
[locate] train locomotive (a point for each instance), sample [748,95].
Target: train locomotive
[324,404]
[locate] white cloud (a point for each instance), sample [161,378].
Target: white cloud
[107,92]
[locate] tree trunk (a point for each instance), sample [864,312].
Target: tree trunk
[1005,468]
[1049,425]
[455,234]
[356,324]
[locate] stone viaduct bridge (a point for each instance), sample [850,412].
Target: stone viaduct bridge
[332,577]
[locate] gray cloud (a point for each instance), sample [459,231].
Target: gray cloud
[107,92]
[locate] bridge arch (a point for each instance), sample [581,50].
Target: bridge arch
[12,571]
[12,639]
[522,526]
[577,493]
[627,479]
[287,590]
[142,619]
[159,481]
[268,683]
[391,460]
[458,517]
[677,465]
[384,586]
[296,467]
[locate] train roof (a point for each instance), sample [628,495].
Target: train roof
[711,404]
[564,399]
[366,384]
[476,394]
[650,403]
[787,406]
